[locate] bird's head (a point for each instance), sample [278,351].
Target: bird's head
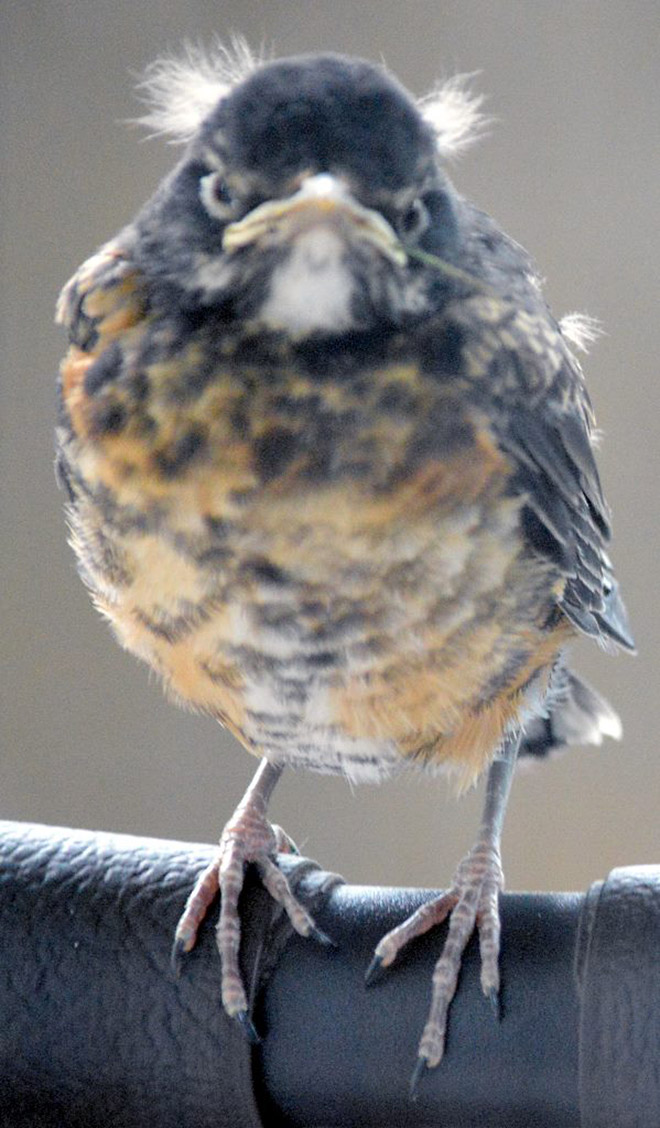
[310,191]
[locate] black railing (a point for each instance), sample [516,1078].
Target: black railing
[95,1031]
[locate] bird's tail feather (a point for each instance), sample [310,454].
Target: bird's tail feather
[576,714]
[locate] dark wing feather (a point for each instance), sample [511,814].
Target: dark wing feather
[545,424]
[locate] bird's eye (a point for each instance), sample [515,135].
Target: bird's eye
[414,220]
[215,196]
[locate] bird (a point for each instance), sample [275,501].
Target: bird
[330,468]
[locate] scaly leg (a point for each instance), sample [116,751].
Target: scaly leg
[472,900]
[247,837]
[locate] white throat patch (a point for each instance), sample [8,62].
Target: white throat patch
[313,288]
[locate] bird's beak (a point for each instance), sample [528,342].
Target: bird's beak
[320,199]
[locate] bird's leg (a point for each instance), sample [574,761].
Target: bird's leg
[472,900]
[247,837]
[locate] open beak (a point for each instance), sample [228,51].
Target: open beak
[320,199]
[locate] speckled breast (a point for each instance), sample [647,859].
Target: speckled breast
[331,567]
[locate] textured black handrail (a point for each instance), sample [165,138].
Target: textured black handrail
[96,1031]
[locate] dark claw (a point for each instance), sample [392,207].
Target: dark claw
[493,997]
[247,1026]
[420,1069]
[322,937]
[177,957]
[374,972]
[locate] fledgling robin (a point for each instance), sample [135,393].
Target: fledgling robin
[330,470]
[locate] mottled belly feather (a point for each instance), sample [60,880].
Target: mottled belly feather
[333,571]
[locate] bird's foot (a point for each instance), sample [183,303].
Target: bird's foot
[472,900]
[247,837]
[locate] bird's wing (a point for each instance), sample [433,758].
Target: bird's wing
[102,299]
[542,418]
[99,307]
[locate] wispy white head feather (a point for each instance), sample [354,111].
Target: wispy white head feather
[181,91]
[581,329]
[453,111]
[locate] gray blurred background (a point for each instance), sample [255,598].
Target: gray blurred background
[571,169]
